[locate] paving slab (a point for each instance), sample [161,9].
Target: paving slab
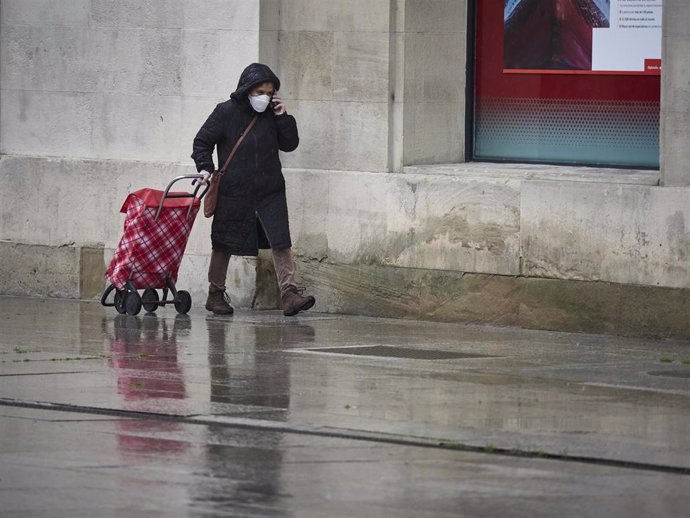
[61,464]
[573,399]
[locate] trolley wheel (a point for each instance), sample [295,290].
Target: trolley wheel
[184,302]
[150,299]
[120,302]
[132,303]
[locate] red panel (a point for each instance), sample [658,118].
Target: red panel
[492,81]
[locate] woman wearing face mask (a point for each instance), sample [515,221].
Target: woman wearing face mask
[252,210]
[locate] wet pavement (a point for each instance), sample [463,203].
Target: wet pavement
[322,415]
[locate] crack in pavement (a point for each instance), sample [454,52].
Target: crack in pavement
[342,433]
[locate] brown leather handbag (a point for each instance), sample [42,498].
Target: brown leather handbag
[211,197]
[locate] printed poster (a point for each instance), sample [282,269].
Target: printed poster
[582,36]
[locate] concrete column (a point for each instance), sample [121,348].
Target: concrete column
[376,85]
[1,73]
[396,85]
[675,95]
[332,59]
[434,81]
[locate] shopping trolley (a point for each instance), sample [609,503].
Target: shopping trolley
[148,256]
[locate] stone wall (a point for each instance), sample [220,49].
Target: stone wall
[333,60]
[98,99]
[628,234]
[123,80]
[377,85]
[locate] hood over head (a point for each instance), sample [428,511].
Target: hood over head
[253,75]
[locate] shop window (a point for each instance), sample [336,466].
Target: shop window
[567,81]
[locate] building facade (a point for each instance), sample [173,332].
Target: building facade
[391,214]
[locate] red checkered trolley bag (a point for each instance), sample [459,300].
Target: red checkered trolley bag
[148,256]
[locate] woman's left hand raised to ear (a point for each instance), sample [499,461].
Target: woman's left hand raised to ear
[278,105]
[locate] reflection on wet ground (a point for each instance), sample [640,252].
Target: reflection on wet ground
[539,393]
[218,471]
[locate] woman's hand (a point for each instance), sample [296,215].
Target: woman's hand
[205,178]
[278,105]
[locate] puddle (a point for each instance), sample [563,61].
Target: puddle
[387,351]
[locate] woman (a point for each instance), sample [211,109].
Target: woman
[252,209]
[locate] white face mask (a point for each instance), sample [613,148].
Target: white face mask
[259,102]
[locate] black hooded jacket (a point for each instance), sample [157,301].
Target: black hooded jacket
[252,209]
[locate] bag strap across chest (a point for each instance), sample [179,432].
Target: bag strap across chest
[222,170]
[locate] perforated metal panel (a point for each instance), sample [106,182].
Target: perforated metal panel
[568,130]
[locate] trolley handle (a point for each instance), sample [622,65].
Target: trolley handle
[193,194]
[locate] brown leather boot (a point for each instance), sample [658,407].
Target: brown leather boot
[218,301]
[294,302]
